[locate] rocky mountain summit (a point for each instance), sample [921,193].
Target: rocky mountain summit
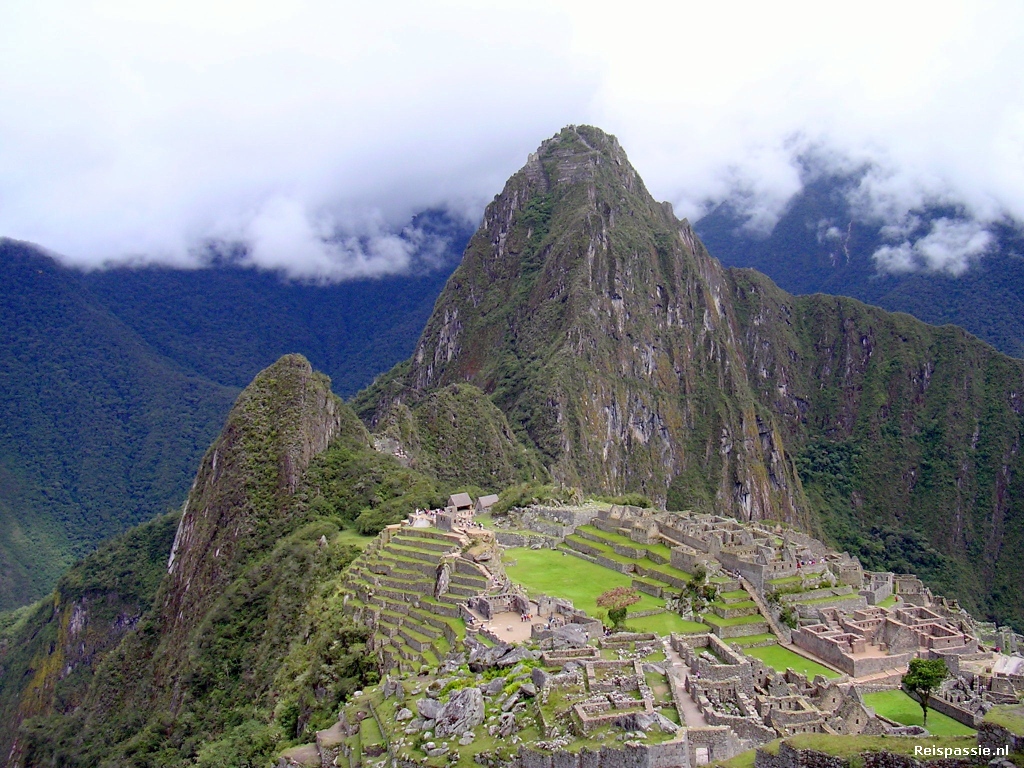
[631,360]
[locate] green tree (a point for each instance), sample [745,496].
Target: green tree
[923,678]
[617,601]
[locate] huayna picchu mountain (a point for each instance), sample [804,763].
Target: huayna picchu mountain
[588,338]
[633,361]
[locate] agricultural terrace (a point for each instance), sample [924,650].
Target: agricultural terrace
[780,659]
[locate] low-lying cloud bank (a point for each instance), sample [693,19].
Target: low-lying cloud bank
[310,133]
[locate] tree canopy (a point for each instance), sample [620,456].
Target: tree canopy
[923,677]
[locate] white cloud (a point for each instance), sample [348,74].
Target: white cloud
[313,130]
[949,246]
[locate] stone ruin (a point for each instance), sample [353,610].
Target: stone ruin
[760,704]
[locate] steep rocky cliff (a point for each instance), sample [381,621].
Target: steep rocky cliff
[198,630]
[602,328]
[246,483]
[633,361]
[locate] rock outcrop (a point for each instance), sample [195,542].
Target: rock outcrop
[463,712]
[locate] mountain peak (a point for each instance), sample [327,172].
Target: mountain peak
[577,155]
[578,308]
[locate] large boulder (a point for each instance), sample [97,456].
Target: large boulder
[647,722]
[569,636]
[463,712]
[516,656]
[429,708]
[539,677]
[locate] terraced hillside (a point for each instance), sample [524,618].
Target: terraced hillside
[408,585]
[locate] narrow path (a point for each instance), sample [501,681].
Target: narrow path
[676,672]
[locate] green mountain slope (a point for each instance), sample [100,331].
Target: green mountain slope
[212,643]
[634,362]
[112,383]
[97,431]
[596,322]
[802,257]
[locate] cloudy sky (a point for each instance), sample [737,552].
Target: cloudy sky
[312,131]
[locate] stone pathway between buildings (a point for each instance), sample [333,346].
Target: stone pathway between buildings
[676,672]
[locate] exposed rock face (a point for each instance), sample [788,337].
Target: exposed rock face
[633,361]
[598,322]
[428,708]
[464,711]
[280,422]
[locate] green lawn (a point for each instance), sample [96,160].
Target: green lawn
[666,623]
[1010,716]
[898,706]
[551,572]
[889,602]
[352,538]
[781,659]
[742,760]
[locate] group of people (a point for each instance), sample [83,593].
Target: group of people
[526,617]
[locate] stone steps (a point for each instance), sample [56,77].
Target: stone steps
[416,640]
[471,569]
[441,608]
[458,589]
[479,583]
[734,610]
[417,555]
[403,585]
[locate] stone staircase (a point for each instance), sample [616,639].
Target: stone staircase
[763,608]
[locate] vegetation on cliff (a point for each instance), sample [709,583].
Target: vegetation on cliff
[632,361]
[236,643]
[115,382]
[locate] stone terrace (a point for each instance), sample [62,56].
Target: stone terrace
[410,586]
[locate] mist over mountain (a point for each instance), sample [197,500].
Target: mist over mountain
[115,381]
[587,337]
[633,361]
[823,243]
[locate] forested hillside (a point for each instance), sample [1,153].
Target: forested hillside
[114,382]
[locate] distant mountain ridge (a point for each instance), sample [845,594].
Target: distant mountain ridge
[114,382]
[588,334]
[987,299]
